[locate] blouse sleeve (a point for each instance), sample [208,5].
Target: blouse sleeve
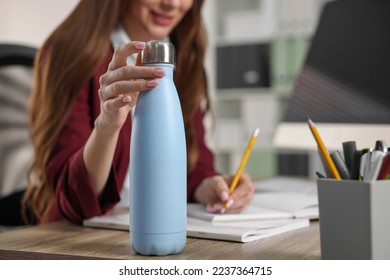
[205,165]
[75,199]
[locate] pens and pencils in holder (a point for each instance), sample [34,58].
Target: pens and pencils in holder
[349,149]
[355,167]
[320,175]
[241,167]
[385,168]
[323,151]
[340,164]
[368,164]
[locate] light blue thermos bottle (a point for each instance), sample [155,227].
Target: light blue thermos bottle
[158,175]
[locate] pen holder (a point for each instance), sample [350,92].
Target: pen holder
[354,219]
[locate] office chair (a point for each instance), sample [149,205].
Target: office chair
[16,78]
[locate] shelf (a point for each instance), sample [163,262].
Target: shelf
[246,94]
[285,27]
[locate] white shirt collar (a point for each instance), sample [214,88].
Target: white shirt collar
[119,37]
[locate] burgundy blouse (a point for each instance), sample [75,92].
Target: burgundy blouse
[75,199]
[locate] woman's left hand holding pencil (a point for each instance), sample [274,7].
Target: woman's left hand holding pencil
[214,191]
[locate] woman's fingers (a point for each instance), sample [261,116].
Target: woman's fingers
[127,73]
[112,105]
[121,80]
[245,187]
[220,188]
[125,87]
[122,52]
[241,196]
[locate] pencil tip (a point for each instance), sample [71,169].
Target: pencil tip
[309,121]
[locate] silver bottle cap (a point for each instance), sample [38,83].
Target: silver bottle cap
[158,52]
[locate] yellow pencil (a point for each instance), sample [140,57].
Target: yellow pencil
[324,152]
[241,167]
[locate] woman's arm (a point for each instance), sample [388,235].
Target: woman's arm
[90,159]
[119,88]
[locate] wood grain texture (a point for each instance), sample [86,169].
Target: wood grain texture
[63,240]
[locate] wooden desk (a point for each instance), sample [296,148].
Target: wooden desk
[63,240]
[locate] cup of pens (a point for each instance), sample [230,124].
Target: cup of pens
[354,201]
[354,219]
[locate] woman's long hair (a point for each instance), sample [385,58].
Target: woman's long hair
[68,59]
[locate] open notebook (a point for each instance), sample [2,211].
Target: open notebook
[279,205]
[297,196]
[276,198]
[243,231]
[239,231]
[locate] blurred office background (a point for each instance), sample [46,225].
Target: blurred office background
[256,49]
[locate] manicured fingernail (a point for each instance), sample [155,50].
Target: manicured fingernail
[140,45]
[159,72]
[212,208]
[224,195]
[151,83]
[126,99]
[229,203]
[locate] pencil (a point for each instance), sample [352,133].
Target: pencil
[241,167]
[323,151]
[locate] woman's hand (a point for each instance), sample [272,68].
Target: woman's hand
[119,89]
[213,191]
[121,84]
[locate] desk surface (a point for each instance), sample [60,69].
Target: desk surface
[63,240]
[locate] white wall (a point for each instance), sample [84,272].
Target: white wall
[31,21]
